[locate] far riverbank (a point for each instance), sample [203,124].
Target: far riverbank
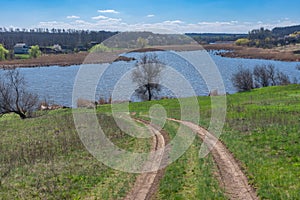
[109,57]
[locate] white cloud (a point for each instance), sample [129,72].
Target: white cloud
[175,26]
[173,22]
[99,17]
[150,15]
[108,11]
[73,17]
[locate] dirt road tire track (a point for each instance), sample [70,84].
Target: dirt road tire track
[232,177]
[147,184]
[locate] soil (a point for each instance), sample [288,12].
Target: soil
[63,59]
[87,58]
[234,51]
[147,184]
[230,174]
[280,54]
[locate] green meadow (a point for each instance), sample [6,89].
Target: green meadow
[44,158]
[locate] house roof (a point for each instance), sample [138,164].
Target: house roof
[21,45]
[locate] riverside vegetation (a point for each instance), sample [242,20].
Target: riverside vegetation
[44,158]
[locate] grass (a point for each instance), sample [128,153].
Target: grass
[189,177]
[262,131]
[22,56]
[43,158]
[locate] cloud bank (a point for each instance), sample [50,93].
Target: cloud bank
[102,22]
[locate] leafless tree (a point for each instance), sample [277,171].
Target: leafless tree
[264,75]
[261,76]
[13,95]
[282,79]
[272,74]
[147,74]
[243,80]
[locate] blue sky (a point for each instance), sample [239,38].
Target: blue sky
[230,16]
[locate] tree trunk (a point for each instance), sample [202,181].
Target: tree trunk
[22,115]
[149,93]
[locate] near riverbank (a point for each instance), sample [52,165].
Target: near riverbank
[234,51]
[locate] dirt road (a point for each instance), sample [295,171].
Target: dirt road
[231,176]
[147,184]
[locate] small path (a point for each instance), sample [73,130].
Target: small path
[147,184]
[232,178]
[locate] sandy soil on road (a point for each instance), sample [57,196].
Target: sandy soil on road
[232,177]
[147,184]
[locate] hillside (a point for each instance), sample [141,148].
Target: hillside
[284,31]
[44,158]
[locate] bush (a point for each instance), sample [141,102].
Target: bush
[243,80]
[3,52]
[100,48]
[282,79]
[35,51]
[262,76]
[242,42]
[83,103]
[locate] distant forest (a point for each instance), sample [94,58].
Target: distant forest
[257,37]
[72,40]
[284,31]
[208,38]
[68,39]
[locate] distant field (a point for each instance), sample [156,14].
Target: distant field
[22,56]
[43,158]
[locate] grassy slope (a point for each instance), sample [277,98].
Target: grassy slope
[47,159]
[189,177]
[263,131]
[43,158]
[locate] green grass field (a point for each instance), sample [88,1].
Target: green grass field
[44,158]
[22,56]
[263,132]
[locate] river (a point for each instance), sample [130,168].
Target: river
[56,83]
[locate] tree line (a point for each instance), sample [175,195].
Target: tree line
[208,38]
[265,38]
[68,38]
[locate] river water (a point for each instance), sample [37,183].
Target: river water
[56,83]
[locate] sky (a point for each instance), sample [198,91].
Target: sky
[178,16]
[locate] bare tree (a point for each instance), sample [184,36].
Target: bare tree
[243,80]
[282,79]
[272,74]
[264,76]
[261,76]
[147,75]
[13,95]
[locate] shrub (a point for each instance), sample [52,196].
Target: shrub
[282,79]
[243,80]
[100,48]
[242,42]
[35,51]
[3,52]
[83,103]
[262,76]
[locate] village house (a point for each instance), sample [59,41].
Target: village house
[21,48]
